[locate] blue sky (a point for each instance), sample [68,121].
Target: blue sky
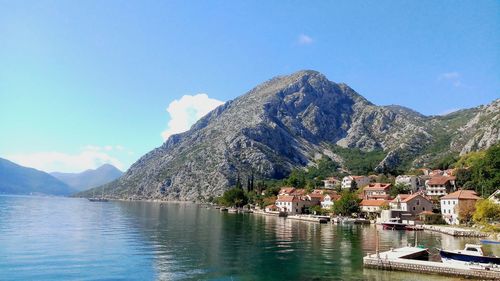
[88,82]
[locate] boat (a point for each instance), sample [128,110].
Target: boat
[490,242]
[394,224]
[414,228]
[472,253]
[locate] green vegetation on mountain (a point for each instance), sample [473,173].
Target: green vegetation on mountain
[483,170]
[357,161]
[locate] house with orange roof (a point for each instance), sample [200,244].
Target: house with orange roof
[286,190]
[293,204]
[452,203]
[361,181]
[413,204]
[377,191]
[372,207]
[329,199]
[439,185]
[331,182]
[272,209]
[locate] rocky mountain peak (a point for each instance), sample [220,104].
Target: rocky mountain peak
[285,123]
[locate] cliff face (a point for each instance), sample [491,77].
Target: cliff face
[283,124]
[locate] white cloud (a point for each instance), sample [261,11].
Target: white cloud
[90,157]
[453,77]
[186,111]
[304,39]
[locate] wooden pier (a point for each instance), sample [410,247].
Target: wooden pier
[407,259]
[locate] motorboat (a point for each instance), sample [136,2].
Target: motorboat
[394,224]
[472,253]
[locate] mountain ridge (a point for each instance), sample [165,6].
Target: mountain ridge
[286,123]
[17,179]
[89,178]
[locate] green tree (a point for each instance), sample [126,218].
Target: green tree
[486,212]
[354,186]
[234,197]
[347,204]
[462,176]
[399,189]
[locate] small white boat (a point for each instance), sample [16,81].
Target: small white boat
[471,254]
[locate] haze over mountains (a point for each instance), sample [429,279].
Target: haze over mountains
[89,178]
[16,179]
[289,121]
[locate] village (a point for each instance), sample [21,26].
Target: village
[431,198]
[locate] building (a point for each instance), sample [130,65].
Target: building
[495,197]
[412,204]
[361,181]
[329,199]
[272,209]
[439,185]
[293,205]
[377,191]
[286,190]
[410,181]
[453,202]
[372,208]
[331,183]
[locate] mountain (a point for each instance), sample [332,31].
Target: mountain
[89,178]
[16,179]
[286,123]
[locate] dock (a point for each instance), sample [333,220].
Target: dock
[308,218]
[455,231]
[411,259]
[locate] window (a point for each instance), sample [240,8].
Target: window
[423,208]
[413,208]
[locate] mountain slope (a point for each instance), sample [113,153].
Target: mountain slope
[89,178]
[282,124]
[16,179]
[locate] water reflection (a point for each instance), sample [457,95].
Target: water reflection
[53,239]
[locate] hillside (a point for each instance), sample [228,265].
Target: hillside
[286,123]
[16,179]
[89,178]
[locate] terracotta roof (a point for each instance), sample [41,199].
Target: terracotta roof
[299,192]
[272,207]
[440,180]
[427,213]
[462,194]
[358,177]
[407,197]
[373,202]
[286,190]
[287,198]
[378,186]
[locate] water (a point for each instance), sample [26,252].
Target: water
[68,239]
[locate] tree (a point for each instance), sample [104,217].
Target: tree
[399,188]
[347,204]
[465,209]
[234,197]
[354,186]
[486,212]
[462,176]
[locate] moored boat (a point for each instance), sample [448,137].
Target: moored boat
[394,224]
[470,254]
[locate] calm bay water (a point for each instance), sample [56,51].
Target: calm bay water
[73,239]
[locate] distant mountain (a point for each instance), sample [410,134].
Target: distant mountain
[89,178]
[16,179]
[287,123]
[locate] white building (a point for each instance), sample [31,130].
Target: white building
[451,203]
[361,181]
[439,185]
[409,181]
[331,183]
[495,197]
[328,200]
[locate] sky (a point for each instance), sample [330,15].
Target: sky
[84,83]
